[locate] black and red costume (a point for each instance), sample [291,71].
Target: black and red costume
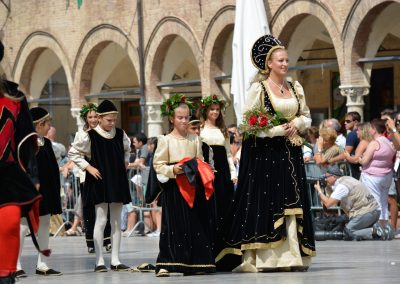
[18,173]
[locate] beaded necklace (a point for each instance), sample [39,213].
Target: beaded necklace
[280,87]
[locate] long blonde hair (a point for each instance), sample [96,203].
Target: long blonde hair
[364,131]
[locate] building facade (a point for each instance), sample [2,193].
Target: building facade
[345,54]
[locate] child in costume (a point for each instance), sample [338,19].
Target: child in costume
[88,114]
[187,212]
[49,177]
[106,184]
[214,136]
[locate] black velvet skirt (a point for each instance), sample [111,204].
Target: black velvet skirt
[186,233]
[223,193]
[271,185]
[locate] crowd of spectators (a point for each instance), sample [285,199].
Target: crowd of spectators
[370,150]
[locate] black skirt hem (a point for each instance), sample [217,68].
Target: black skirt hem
[186,268]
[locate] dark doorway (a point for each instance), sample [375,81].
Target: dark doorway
[381,94]
[131,117]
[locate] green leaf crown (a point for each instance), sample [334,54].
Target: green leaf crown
[87,108]
[208,101]
[168,106]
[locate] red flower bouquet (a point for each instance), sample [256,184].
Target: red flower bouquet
[258,120]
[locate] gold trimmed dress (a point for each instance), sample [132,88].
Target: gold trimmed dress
[270,224]
[186,233]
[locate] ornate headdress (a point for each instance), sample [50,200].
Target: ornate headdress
[168,106]
[208,101]
[106,107]
[262,50]
[86,109]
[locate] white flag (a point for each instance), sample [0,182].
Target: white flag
[250,24]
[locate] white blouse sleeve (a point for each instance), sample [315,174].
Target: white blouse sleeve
[199,151]
[127,147]
[232,168]
[304,120]
[253,97]
[161,158]
[79,149]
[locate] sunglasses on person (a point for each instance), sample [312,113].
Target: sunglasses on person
[348,121]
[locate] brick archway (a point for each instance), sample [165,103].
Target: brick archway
[92,45]
[29,52]
[293,13]
[356,37]
[156,49]
[219,29]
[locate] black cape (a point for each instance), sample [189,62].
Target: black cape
[49,176]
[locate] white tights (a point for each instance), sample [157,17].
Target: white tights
[42,239]
[98,235]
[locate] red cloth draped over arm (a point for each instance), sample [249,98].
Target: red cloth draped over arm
[207,177]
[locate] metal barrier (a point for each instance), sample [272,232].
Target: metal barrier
[68,207]
[314,173]
[138,191]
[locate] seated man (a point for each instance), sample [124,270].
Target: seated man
[356,201]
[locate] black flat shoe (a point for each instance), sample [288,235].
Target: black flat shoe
[21,274]
[48,272]
[10,279]
[100,268]
[120,267]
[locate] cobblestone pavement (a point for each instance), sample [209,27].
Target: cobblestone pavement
[336,262]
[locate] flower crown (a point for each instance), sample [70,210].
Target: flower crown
[208,101]
[168,106]
[86,109]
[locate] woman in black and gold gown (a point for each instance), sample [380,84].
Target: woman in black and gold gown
[270,224]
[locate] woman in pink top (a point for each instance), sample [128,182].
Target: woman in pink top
[377,164]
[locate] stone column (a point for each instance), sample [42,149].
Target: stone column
[355,98]
[75,112]
[154,119]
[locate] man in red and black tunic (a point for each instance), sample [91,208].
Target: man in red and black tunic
[18,174]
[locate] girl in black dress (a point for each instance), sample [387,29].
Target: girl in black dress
[106,183]
[49,177]
[89,115]
[214,136]
[187,219]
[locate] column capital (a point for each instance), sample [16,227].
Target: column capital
[76,113]
[154,119]
[354,94]
[355,97]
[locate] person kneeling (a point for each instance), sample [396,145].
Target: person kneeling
[356,201]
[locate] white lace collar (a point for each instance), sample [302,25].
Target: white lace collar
[105,134]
